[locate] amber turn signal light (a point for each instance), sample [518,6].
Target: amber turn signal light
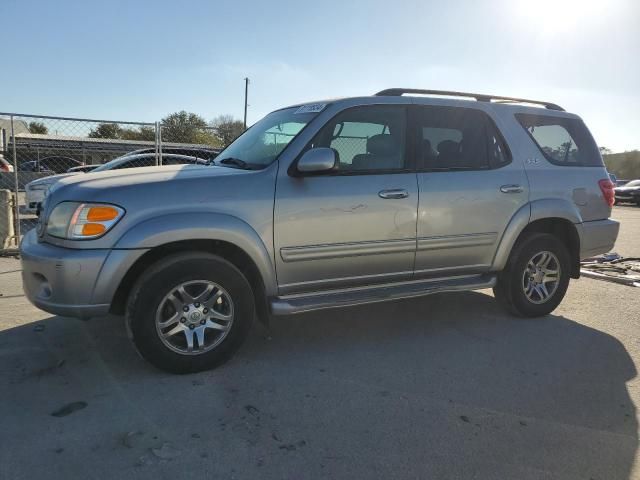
[91,229]
[102,214]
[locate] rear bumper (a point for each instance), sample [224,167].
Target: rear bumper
[598,237]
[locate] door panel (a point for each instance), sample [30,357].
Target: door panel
[469,191]
[336,231]
[355,225]
[462,216]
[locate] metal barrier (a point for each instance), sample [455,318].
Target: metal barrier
[37,150]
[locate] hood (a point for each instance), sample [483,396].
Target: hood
[148,192]
[627,189]
[162,182]
[145,175]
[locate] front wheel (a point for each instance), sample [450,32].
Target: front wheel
[536,277]
[190,312]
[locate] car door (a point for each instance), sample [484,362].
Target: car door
[355,225]
[469,190]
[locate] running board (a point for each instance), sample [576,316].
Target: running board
[291,304]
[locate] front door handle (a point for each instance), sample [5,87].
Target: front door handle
[393,193]
[511,189]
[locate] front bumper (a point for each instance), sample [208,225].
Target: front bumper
[598,237]
[72,282]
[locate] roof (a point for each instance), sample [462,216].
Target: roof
[445,98]
[480,97]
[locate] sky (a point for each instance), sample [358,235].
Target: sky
[140,60]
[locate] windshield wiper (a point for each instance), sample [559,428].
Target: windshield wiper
[236,162]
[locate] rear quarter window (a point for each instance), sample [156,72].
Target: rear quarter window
[563,141]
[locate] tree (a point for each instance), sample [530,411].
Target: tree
[145,133]
[227,128]
[179,127]
[185,127]
[115,131]
[106,130]
[605,151]
[38,127]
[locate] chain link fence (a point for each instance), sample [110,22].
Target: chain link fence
[37,151]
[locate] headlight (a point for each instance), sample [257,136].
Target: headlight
[82,221]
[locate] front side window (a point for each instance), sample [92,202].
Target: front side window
[367,138]
[263,142]
[453,138]
[563,141]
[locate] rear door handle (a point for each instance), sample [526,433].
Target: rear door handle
[393,193]
[511,189]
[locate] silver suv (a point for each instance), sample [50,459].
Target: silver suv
[324,205]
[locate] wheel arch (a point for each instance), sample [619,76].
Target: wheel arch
[230,252]
[223,235]
[556,217]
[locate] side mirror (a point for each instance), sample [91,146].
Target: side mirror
[317,160]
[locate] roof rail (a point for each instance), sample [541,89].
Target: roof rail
[396,92]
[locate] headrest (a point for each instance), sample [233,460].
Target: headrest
[382,144]
[448,147]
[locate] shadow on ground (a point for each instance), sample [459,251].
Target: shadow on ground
[442,387]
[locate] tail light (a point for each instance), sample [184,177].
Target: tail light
[4,167]
[606,186]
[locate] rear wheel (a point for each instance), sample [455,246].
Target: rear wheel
[190,312]
[536,277]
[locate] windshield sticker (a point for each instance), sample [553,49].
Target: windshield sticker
[313,108]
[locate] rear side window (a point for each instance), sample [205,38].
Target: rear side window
[563,141]
[453,138]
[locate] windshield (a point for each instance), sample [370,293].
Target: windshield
[263,142]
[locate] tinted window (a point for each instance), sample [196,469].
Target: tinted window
[457,139]
[563,141]
[496,148]
[368,138]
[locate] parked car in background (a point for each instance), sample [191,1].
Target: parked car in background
[37,190]
[5,166]
[55,164]
[82,169]
[203,153]
[326,205]
[629,193]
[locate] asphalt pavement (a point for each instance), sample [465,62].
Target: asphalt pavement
[447,386]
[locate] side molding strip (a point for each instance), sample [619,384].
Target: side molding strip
[457,241]
[341,250]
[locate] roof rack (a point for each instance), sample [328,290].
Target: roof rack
[396,92]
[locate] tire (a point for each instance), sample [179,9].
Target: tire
[512,285]
[221,319]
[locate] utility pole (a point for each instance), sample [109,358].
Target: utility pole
[246,95]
